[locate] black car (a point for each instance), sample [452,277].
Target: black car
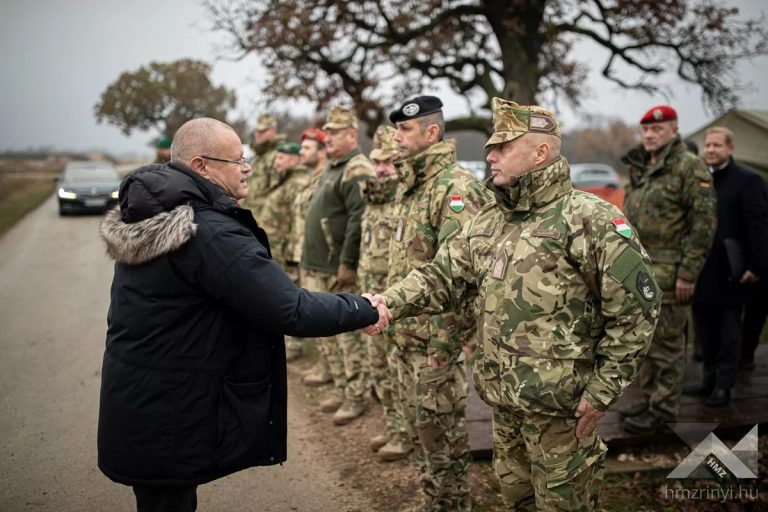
[88,186]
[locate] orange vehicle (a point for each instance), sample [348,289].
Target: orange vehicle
[598,179]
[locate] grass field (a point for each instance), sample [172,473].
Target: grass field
[19,195]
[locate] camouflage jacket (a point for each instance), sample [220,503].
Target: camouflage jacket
[276,213]
[673,206]
[263,177]
[299,208]
[435,198]
[377,227]
[332,229]
[567,298]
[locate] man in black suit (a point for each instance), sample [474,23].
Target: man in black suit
[737,260]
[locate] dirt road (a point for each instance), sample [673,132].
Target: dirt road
[54,295]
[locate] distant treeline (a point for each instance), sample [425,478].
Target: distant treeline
[51,154]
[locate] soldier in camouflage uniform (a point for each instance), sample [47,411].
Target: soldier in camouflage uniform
[435,198]
[330,255]
[568,305]
[378,227]
[162,150]
[276,219]
[262,177]
[314,157]
[671,202]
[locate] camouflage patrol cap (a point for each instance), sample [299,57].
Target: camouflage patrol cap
[340,117]
[511,120]
[265,122]
[384,145]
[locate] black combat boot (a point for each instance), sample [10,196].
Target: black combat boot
[720,397]
[703,388]
[700,389]
[644,424]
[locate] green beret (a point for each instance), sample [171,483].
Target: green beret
[163,142]
[291,148]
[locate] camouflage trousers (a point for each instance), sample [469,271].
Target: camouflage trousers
[433,401]
[383,364]
[345,353]
[661,376]
[293,345]
[542,466]
[382,358]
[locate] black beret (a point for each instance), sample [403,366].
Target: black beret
[416,107]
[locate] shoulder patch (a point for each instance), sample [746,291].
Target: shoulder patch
[622,227]
[645,286]
[457,203]
[481,232]
[546,233]
[628,269]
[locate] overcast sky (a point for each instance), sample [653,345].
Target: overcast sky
[58,56]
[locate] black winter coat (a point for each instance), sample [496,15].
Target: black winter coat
[742,214]
[194,378]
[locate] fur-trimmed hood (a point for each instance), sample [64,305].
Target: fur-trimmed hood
[143,241]
[156,213]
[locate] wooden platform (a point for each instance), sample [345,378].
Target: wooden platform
[749,406]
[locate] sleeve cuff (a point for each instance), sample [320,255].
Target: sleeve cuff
[596,403]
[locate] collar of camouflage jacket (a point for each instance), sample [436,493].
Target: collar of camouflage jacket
[672,148]
[536,188]
[380,190]
[638,157]
[418,168]
[299,169]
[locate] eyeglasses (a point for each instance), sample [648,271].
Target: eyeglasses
[242,163]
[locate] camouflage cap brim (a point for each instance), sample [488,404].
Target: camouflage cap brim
[383,154]
[337,126]
[499,137]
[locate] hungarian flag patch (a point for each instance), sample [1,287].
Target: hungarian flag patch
[456,204]
[622,228]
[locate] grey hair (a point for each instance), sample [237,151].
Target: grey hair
[436,118]
[196,138]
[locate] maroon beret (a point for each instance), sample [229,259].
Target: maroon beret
[659,114]
[314,134]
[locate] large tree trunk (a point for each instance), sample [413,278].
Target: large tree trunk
[517,25]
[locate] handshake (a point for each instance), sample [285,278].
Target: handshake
[380,303]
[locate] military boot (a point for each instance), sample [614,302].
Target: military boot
[318,375]
[333,402]
[720,397]
[704,387]
[378,441]
[348,412]
[644,424]
[395,449]
[699,389]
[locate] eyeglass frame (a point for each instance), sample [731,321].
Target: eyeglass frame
[243,163]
